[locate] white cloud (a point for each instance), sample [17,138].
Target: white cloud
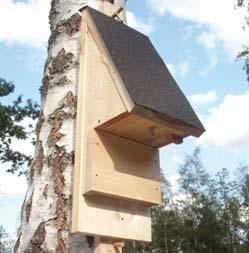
[184,67]
[171,68]
[173,180]
[220,18]
[24,22]
[188,61]
[213,60]
[228,124]
[204,98]
[139,24]
[11,184]
[188,31]
[25,146]
[208,41]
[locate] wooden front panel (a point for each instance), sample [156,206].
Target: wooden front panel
[123,169]
[113,218]
[99,101]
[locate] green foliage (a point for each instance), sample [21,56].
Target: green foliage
[11,117]
[6,244]
[244,54]
[241,3]
[206,214]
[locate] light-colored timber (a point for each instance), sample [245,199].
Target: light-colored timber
[99,100]
[117,167]
[123,169]
[142,130]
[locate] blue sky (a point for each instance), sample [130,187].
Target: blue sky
[197,39]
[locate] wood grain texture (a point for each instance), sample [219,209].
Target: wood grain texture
[142,130]
[117,173]
[99,100]
[145,75]
[124,169]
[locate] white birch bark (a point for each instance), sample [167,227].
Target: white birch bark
[46,213]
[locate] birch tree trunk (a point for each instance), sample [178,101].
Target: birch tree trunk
[46,212]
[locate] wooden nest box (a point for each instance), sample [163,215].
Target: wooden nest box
[129,105]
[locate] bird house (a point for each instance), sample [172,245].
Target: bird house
[129,106]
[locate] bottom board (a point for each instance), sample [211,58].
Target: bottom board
[105,217]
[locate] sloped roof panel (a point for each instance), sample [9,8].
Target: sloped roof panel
[145,75]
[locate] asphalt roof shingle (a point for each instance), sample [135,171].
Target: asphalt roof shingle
[145,75]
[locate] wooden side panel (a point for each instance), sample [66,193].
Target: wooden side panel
[99,101]
[124,169]
[103,101]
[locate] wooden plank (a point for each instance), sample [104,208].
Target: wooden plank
[80,150]
[103,100]
[112,218]
[167,121]
[99,101]
[124,169]
[142,130]
[117,80]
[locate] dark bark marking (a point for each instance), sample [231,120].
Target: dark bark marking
[53,13]
[50,82]
[70,100]
[69,26]
[38,162]
[31,172]
[54,35]
[62,62]
[40,158]
[58,170]
[55,135]
[59,116]
[61,82]
[73,24]
[40,123]
[17,244]
[59,159]
[45,192]
[35,245]
[29,207]
[45,86]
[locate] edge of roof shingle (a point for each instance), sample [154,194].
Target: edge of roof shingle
[186,114]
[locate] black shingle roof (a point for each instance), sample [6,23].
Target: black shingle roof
[147,79]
